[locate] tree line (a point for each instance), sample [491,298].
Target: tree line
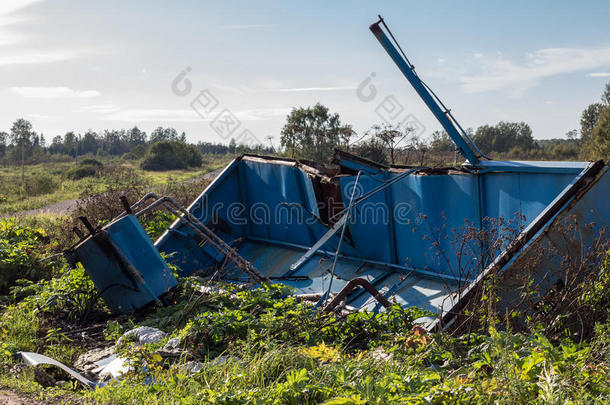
[22,144]
[313,133]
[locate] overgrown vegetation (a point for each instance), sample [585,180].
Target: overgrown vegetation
[267,346]
[171,155]
[49,183]
[19,254]
[22,144]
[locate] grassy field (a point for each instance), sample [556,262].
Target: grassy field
[263,345]
[48,183]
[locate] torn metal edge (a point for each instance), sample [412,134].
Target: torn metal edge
[586,179]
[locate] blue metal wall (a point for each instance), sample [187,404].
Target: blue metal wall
[274,201]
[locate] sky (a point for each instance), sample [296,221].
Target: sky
[234,69]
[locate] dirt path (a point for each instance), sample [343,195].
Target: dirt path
[11,398]
[62,207]
[66,206]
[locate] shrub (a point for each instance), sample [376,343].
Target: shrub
[81,172]
[40,183]
[19,253]
[139,151]
[171,155]
[119,181]
[91,162]
[129,156]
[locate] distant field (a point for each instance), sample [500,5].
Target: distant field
[49,183]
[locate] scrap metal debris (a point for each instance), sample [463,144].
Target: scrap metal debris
[35,359]
[393,229]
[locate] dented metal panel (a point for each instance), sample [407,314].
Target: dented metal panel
[398,237]
[124,265]
[568,227]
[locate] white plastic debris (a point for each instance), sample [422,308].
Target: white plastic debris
[172,344]
[88,361]
[112,367]
[35,359]
[142,335]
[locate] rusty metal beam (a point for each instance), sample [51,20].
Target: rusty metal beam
[353,284]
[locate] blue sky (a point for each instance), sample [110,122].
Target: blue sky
[73,65]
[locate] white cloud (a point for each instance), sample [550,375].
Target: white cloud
[302,89]
[97,108]
[10,17]
[153,114]
[500,73]
[7,18]
[187,115]
[262,114]
[10,6]
[245,26]
[53,92]
[9,38]
[44,117]
[599,74]
[37,57]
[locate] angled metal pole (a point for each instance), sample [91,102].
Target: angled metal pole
[465,146]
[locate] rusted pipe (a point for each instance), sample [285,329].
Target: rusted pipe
[350,286]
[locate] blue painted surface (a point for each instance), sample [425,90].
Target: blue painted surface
[557,239]
[390,237]
[117,290]
[407,239]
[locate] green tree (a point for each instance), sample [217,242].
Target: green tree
[606,95]
[504,136]
[71,143]
[89,142]
[389,136]
[588,120]
[372,149]
[135,137]
[164,134]
[170,155]
[441,142]
[57,145]
[594,128]
[21,134]
[3,139]
[597,145]
[115,142]
[313,133]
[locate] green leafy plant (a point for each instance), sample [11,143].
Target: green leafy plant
[21,249]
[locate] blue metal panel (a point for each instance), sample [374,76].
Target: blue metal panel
[584,203]
[420,209]
[548,167]
[538,190]
[121,292]
[222,199]
[369,221]
[277,212]
[509,193]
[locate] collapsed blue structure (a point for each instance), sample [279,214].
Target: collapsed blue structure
[397,230]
